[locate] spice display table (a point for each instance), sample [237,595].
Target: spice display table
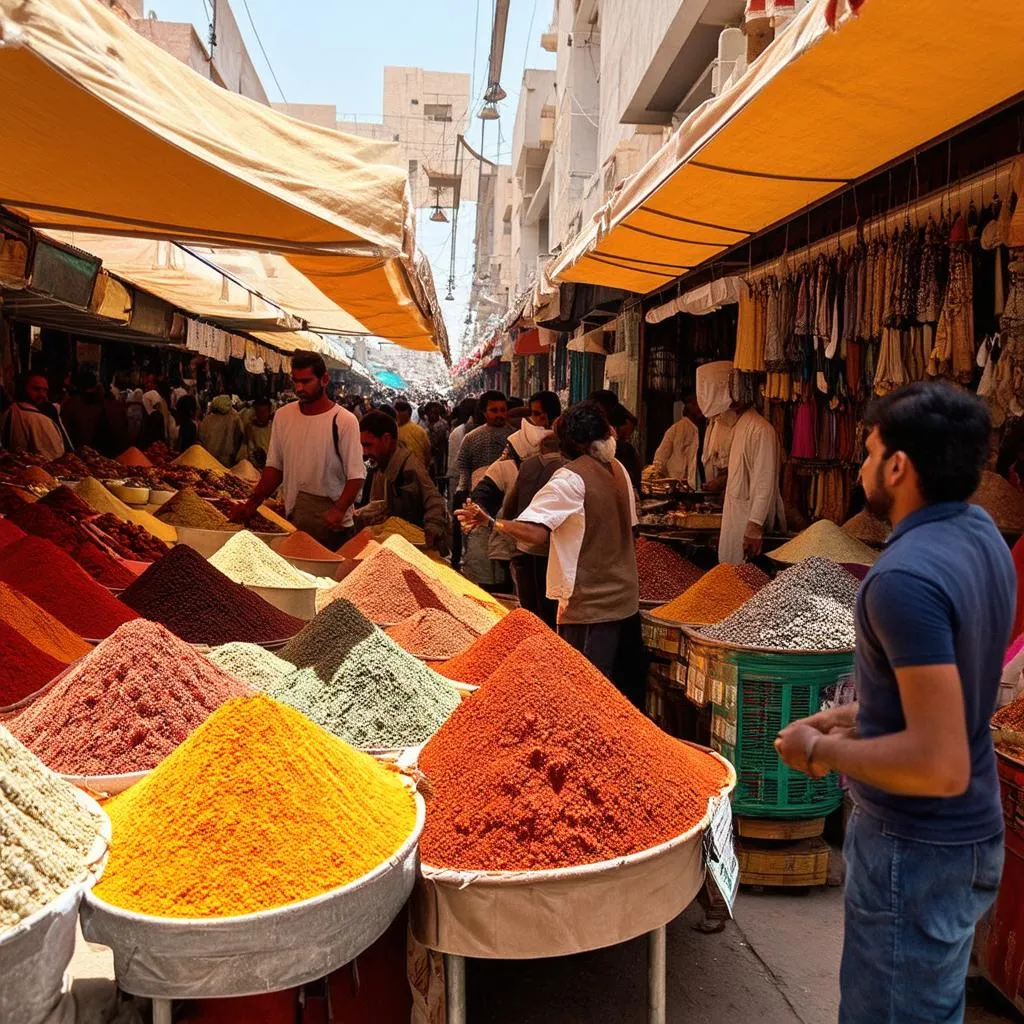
[516,915]
[177,958]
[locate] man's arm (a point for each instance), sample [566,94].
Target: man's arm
[269,481]
[334,517]
[528,533]
[351,454]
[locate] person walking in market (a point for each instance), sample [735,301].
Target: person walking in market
[316,455]
[924,846]
[587,511]
[401,481]
[412,435]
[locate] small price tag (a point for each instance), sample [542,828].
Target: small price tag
[720,852]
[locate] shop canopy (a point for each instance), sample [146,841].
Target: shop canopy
[820,109]
[102,131]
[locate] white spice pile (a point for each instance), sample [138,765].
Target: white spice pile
[46,835]
[254,664]
[247,560]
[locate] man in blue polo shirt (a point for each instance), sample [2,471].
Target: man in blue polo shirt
[924,847]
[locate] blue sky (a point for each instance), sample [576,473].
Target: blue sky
[334,51]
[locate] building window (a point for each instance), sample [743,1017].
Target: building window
[506,227]
[414,168]
[437,111]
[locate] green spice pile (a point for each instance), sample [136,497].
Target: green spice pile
[360,685]
[46,835]
[253,664]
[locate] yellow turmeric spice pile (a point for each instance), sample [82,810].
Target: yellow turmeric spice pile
[258,808]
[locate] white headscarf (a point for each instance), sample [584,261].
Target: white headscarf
[713,394]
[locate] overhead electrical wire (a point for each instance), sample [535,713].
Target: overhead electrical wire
[270,67]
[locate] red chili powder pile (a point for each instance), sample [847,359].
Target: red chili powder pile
[42,521]
[715,596]
[9,532]
[359,545]
[24,668]
[67,504]
[387,589]
[549,766]
[432,634]
[51,578]
[478,662]
[662,571]
[126,705]
[39,627]
[201,605]
[301,545]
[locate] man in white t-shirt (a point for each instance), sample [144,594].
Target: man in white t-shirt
[316,454]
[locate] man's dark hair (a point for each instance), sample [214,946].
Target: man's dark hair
[21,385]
[378,424]
[388,410]
[943,431]
[549,402]
[604,398]
[619,415]
[485,400]
[309,361]
[464,411]
[515,402]
[403,406]
[580,427]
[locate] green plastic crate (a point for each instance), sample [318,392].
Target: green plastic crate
[770,691]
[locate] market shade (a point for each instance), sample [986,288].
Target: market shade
[103,131]
[817,111]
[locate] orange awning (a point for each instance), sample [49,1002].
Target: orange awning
[819,110]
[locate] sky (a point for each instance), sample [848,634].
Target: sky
[334,51]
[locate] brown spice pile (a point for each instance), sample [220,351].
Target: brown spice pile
[662,571]
[716,595]
[187,509]
[301,545]
[868,528]
[1002,501]
[432,634]
[824,539]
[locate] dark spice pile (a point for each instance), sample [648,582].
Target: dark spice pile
[326,640]
[662,571]
[41,521]
[24,668]
[9,532]
[201,605]
[41,571]
[67,504]
[130,541]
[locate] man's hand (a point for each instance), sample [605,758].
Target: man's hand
[470,516]
[837,719]
[753,540]
[796,744]
[436,541]
[334,518]
[243,512]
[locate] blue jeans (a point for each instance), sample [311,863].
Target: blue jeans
[911,908]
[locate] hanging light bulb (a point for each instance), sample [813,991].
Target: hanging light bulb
[489,112]
[495,93]
[439,216]
[449,297]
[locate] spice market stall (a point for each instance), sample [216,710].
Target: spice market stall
[556,860]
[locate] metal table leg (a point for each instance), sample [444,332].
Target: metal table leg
[161,1011]
[455,988]
[656,973]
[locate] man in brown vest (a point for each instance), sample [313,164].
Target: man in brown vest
[587,510]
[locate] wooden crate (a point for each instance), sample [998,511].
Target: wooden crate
[794,865]
[779,829]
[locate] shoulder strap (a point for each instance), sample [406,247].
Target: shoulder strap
[334,435]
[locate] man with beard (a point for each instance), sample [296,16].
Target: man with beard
[587,510]
[31,424]
[924,847]
[315,452]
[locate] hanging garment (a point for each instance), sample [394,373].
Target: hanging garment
[890,372]
[774,345]
[746,333]
[954,335]
[879,287]
[929,293]
[805,429]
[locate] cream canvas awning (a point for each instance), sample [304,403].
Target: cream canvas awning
[102,131]
[817,111]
